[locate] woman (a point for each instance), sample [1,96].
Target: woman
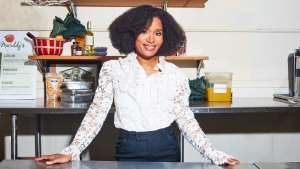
[149,94]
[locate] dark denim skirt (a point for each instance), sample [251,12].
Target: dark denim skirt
[159,145]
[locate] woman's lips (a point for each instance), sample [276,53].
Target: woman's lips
[149,47]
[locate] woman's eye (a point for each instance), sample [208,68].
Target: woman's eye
[144,32]
[158,33]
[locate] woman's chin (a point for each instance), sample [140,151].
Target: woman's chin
[147,55]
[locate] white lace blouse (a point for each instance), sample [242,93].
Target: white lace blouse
[143,103]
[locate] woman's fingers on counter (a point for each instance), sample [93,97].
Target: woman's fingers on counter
[45,157]
[232,162]
[54,158]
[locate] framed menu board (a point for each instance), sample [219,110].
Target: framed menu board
[17,76]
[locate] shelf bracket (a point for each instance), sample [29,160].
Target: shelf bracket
[165,5]
[200,65]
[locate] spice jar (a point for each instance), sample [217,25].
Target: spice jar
[53,85]
[78,51]
[73,48]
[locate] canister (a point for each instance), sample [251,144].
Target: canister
[218,86]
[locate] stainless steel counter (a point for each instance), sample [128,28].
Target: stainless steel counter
[291,165]
[238,105]
[245,105]
[246,115]
[26,164]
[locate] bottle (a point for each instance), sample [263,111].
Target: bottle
[89,40]
[73,48]
[80,41]
[182,48]
[78,51]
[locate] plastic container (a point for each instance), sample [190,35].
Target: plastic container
[218,86]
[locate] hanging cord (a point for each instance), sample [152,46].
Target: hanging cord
[71,8]
[200,66]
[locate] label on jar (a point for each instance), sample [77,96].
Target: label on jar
[220,88]
[54,83]
[78,52]
[89,40]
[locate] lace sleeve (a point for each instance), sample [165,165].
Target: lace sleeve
[95,116]
[190,127]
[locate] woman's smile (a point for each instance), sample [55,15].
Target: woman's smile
[149,47]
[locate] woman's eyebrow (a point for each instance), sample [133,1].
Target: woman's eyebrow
[158,29]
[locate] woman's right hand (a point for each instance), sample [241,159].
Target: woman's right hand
[54,158]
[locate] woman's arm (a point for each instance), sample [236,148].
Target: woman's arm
[96,114]
[190,127]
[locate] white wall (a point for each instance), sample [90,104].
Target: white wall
[249,38]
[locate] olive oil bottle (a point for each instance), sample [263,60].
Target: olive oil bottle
[89,40]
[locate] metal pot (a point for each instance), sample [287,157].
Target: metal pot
[77,85]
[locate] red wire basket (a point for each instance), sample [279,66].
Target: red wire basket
[48,46]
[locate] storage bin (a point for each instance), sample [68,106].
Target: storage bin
[218,86]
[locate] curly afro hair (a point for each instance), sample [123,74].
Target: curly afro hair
[125,29]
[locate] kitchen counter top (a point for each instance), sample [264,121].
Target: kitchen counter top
[238,105]
[291,165]
[242,115]
[26,164]
[247,115]
[247,105]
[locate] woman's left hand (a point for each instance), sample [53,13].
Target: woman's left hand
[232,162]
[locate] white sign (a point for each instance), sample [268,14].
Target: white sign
[17,76]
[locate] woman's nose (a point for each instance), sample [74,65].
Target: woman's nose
[150,38]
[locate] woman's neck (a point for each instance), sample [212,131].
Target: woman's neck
[148,64]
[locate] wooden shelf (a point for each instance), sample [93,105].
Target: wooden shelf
[73,58]
[132,3]
[186,58]
[105,58]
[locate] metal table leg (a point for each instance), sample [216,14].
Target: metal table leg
[43,68]
[14,140]
[181,148]
[38,150]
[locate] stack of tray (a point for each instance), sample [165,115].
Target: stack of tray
[77,92]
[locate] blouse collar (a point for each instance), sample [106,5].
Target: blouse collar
[160,66]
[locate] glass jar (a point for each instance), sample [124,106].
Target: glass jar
[53,85]
[73,48]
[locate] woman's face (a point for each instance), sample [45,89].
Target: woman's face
[150,40]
